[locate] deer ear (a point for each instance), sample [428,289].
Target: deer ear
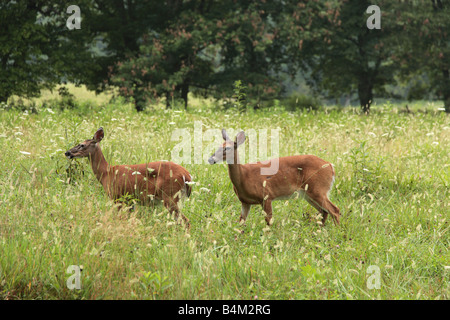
[225,135]
[98,136]
[240,138]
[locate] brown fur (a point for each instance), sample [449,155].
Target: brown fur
[305,174]
[160,180]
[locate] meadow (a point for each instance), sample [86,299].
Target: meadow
[392,187]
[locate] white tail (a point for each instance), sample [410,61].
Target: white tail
[302,175]
[161,180]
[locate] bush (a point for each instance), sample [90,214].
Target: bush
[19,105]
[301,101]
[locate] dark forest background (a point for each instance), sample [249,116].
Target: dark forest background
[151,49]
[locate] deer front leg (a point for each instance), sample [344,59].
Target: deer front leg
[172,206]
[267,207]
[183,217]
[120,205]
[244,212]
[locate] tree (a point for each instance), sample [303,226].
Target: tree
[37,49]
[202,46]
[115,29]
[250,49]
[423,49]
[305,29]
[169,60]
[349,56]
[25,51]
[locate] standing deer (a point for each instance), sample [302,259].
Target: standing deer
[301,175]
[160,180]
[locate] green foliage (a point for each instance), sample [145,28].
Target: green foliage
[250,50]
[424,49]
[155,284]
[19,105]
[129,200]
[152,50]
[66,100]
[418,89]
[23,69]
[394,216]
[70,171]
[37,49]
[203,50]
[351,58]
[367,168]
[300,102]
[168,61]
[240,96]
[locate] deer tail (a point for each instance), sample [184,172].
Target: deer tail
[187,184]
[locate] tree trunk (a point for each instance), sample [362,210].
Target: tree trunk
[365,94]
[139,100]
[167,100]
[184,93]
[447,104]
[446,89]
[4,98]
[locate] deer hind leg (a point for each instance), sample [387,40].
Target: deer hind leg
[324,206]
[336,213]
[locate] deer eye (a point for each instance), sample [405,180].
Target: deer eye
[82,145]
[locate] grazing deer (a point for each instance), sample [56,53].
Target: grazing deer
[160,180]
[303,175]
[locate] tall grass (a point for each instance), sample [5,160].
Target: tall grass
[392,186]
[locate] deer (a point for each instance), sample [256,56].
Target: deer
[306,176]
[154,182]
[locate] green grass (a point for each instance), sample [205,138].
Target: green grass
[392,186]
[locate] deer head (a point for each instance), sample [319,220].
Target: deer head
[228,150]
[86,148]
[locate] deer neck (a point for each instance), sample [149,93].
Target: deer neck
[99,165]
[235,172]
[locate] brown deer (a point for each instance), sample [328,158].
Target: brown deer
[155,181]
[307,176]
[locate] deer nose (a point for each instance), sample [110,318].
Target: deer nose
[211,160]
[67,153]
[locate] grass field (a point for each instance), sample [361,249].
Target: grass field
[392,187]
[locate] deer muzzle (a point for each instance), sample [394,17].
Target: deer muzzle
[68,154]
[212,160]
